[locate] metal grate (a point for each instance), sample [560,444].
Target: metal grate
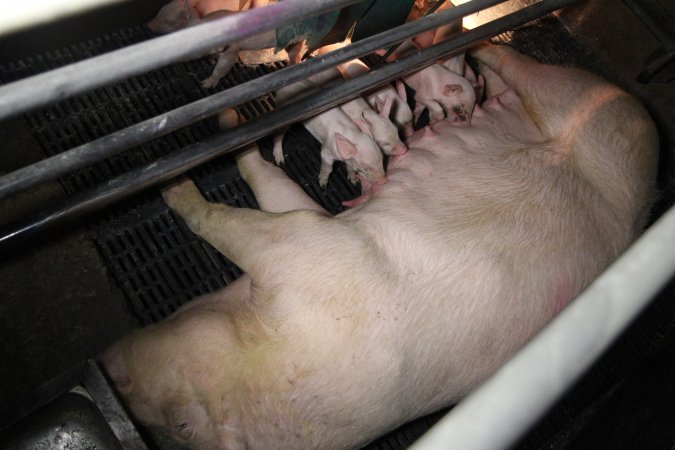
[156,261]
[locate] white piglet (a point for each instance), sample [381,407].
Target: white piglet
[444,92]
[384,131]
[227,55]
[399,112]
[341,139]
[377,121]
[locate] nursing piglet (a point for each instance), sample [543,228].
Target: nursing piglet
[400,113]
[442,91]
[341,139]
[380,127]
[345,327]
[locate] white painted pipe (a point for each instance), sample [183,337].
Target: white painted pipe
[25,13]
[48,87]
[520,392]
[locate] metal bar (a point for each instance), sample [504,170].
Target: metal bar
[39,90]
[523,389]
[647,11]
[165,123]
[196,154]
[111,408]
[28,13]
[430,11]
[655,65]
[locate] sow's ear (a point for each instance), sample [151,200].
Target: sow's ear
[116,368]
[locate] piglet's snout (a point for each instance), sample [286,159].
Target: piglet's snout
[400,149]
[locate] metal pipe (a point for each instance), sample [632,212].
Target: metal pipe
[649,13]
[199,153]
[523,389]
[165,123]
[39,90]
[28,13]
[430,11]
[118,420]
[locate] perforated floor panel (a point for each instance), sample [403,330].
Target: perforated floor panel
[154,259]
[159,264]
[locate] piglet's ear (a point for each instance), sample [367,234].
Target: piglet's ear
[345,148]
[363,125]
[400,88]
[455,64]
[386,107]
[379,104]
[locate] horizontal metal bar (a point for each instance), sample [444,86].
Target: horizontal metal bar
[117,418]
[40,90]
[659,22]
[91,152]
[196,154]
[27,13]
[655,18]
[515,397]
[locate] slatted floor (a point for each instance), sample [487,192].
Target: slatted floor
[154,258]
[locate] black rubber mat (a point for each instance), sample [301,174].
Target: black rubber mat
[159,264]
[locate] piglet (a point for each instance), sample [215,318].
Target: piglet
[341,139]
[384,131]
[442,87]
[443,92]
[458,100]
[227,55]
[377,123]
[399,113]
[171,16]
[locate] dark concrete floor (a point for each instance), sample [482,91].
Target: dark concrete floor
[58,304]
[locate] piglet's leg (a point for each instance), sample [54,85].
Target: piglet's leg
[254,240]
[296,52]
[326,166]
[273,190]
[226,60]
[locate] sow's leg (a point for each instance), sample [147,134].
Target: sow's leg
[273,190]
[253,240]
